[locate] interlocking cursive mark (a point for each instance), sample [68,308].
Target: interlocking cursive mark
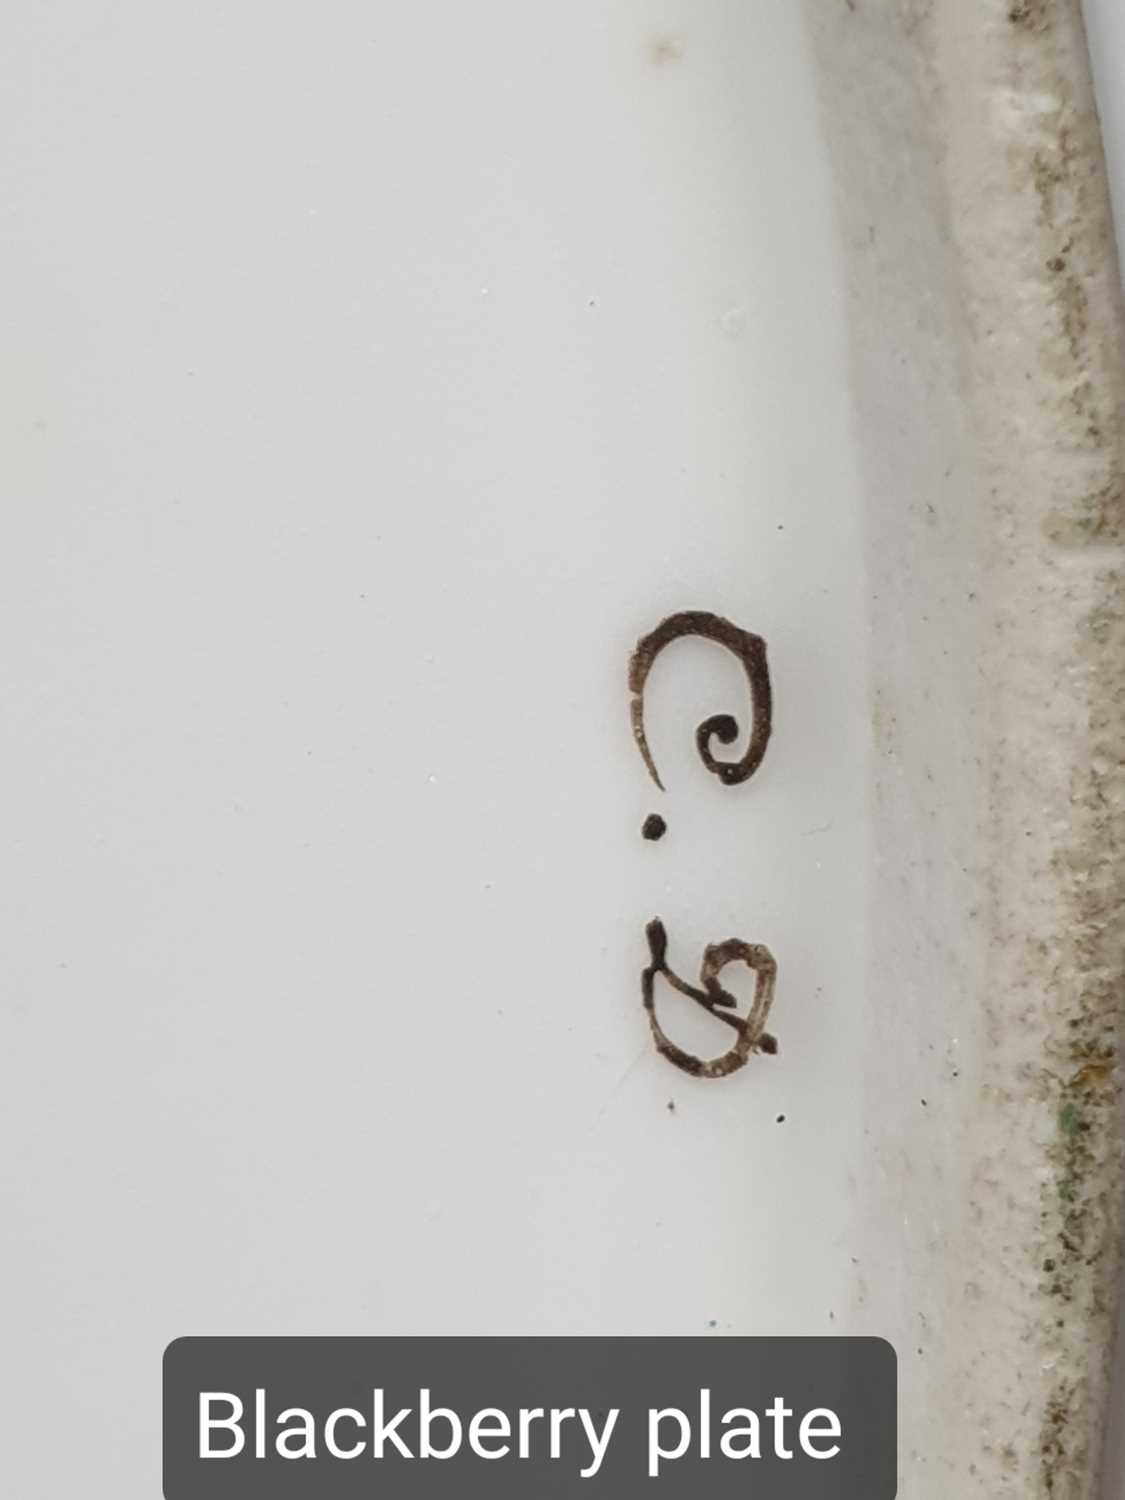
[751,652]
[752,1035]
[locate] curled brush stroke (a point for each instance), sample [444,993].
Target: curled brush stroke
[752,1034]
[751,652]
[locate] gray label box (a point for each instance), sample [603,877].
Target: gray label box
[529,1418]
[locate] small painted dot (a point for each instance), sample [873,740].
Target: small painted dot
[654,827]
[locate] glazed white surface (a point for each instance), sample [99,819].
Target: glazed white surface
[375,378]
